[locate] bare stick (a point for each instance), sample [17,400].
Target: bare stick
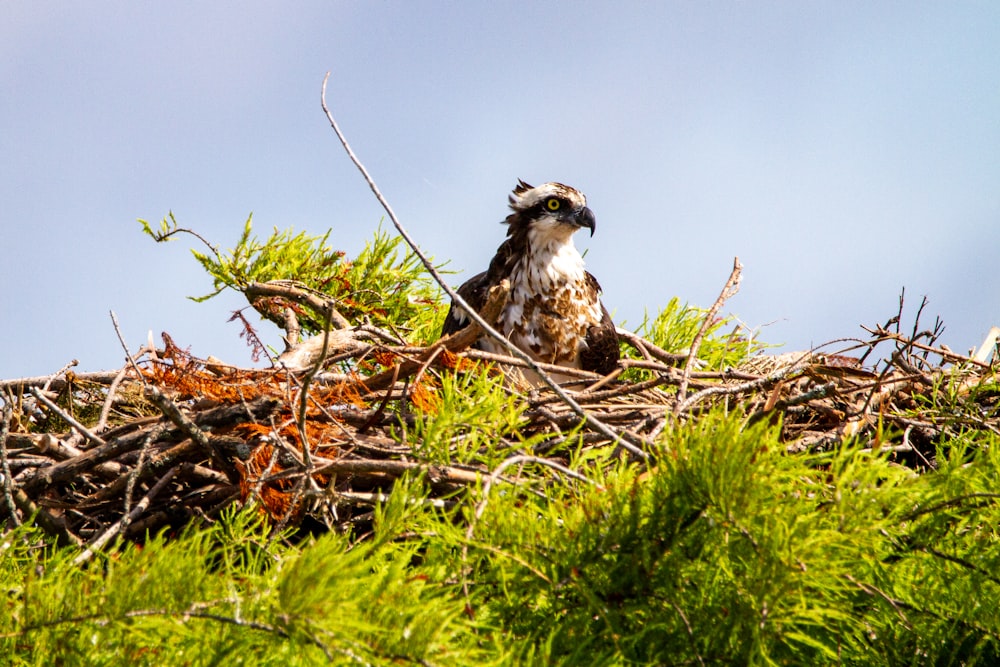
[779,374]
[647,349]
[732,287]
[463,304]
[62,371]
[86,432]
[187,425]
[56,383]
[300,294]
[128,355]
[102,422]
[6,412]
[435,473]
[300,423]
[109,401]
[133,477]
[119,526]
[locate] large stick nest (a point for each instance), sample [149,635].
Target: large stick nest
[173,438]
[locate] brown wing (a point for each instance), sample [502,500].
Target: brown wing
[474,292]
[601,352]
[475,289]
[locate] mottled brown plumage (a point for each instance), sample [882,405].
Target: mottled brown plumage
[554,313]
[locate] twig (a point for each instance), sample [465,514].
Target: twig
[189,427]
[946,355]
[732,287]
[514,361]
[86,432]
[56,383]
[132,478]
[463,304]
[109,401]
[6,413]
[120,525]
[456,342]
[128,355]
[62,371]
[299,294]
[752,385]
[52,446]
[300,423]
[648,349]
[435,473]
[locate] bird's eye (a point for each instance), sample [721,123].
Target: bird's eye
[553,204]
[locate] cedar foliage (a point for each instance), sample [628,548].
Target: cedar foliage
[734,543]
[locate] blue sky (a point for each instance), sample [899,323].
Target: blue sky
[842,150]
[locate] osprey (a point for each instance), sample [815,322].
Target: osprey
[554,313]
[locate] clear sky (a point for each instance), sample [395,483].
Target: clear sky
[842,150]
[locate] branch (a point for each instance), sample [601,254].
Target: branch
[731,288]
[287,290]
[119,526]
[6,412]
[86,432]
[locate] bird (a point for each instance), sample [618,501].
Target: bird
[554,312]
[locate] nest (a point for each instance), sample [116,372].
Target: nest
[317,441]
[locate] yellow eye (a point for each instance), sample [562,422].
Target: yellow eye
[553,204]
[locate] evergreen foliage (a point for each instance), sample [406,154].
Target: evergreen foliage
[676,325]
[383,284]
[727,549]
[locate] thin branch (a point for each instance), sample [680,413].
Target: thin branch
[128,355]
[300,423]
[120,525]
[55,382]
[6,413]
[62,371]
[731,288]
[86,432]
[300,294]
[744,387]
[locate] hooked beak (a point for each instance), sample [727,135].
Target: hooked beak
[585,218]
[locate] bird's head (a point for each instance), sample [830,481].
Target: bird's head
[551,210]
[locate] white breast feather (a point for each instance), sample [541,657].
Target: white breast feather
[553,270]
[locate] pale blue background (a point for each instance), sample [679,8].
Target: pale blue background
[842,150]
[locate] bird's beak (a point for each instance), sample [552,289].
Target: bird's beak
[585,218]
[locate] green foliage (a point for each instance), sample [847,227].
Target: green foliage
[676,325]
[959,402]
[226,594]
[468,421]
[382,285]
[732,551]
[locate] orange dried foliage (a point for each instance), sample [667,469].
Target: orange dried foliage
[274,496]
[424,396]
[179,370]
[237,386]
[339,394]
[322,434]
[456,362]
[384,357]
